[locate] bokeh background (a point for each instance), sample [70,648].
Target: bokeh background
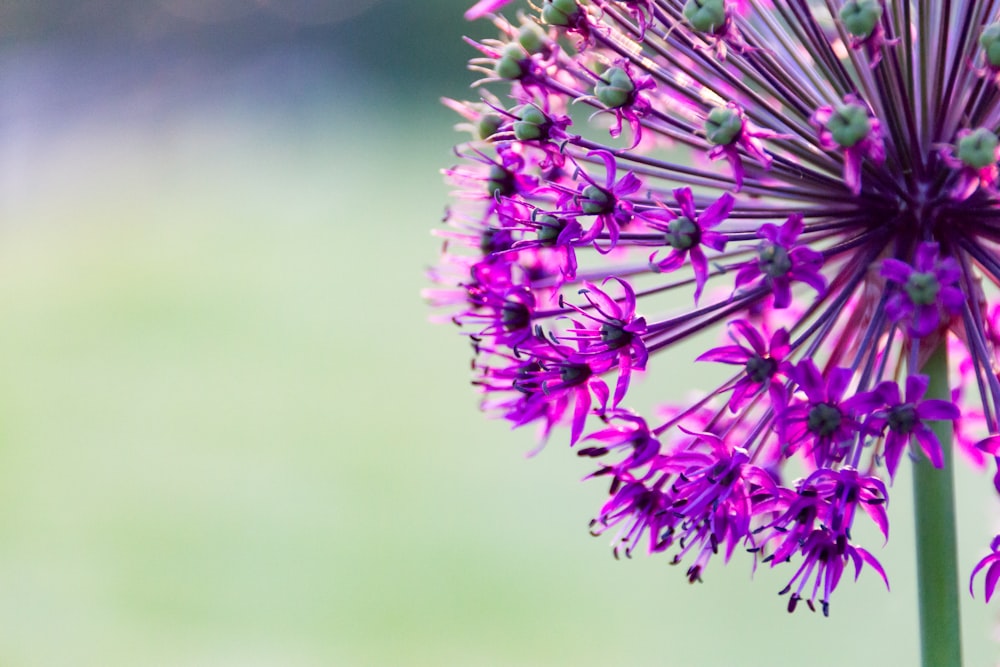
[228,434]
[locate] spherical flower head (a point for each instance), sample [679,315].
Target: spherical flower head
[807,194]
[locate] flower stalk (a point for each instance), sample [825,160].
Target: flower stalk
[937,557]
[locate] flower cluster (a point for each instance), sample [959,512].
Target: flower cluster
[813,183]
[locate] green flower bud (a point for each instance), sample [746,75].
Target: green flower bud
[615,90]
[549,228]
[531,37]
[978,148]
[488,125]
[500,181]
[531,125]
[922,288]
[509,65]
[595,200]
[849,124]
[559,12]
[723,125]
[990,41]
[861,16]
[705,15]
[682,233]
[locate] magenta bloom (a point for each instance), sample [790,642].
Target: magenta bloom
[904,419]
[762,362]
[817,180]
[928,292]
[780,261]
[687,232]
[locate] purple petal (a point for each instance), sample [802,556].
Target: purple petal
[728,354]
[937,409]
[484,7]
[685,201]
[895,270]
[929,444]
[791,230]
[916,387]
[927,254]
[718,211]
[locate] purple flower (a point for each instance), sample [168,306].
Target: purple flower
[928,289]
[763,363]
[790,176]
[687,232]
[901,420]
[780,261]
[823,421]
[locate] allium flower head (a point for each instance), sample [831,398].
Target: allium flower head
[807,189]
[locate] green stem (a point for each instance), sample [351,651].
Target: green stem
[937,560]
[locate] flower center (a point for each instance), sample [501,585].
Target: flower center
[923,288]
[615,89]
[760,369]
[903,419]
[774,261]
[613,334]
[722,126]
[824,419]
[682,233]
[514,316]
[574,373]
[595,201]
[549,229]
[849,124]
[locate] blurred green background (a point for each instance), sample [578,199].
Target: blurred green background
[228,434]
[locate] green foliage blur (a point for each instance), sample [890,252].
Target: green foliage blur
[229,434]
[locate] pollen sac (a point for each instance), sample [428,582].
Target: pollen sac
[990,41]
[705,15]
[531,38]
[510,65]
[615,89]
[488,125]
[532,123]
[559,12]
[723,126]
[682,233]
[849,124]
[978,149]
[861,16]
[922,288]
